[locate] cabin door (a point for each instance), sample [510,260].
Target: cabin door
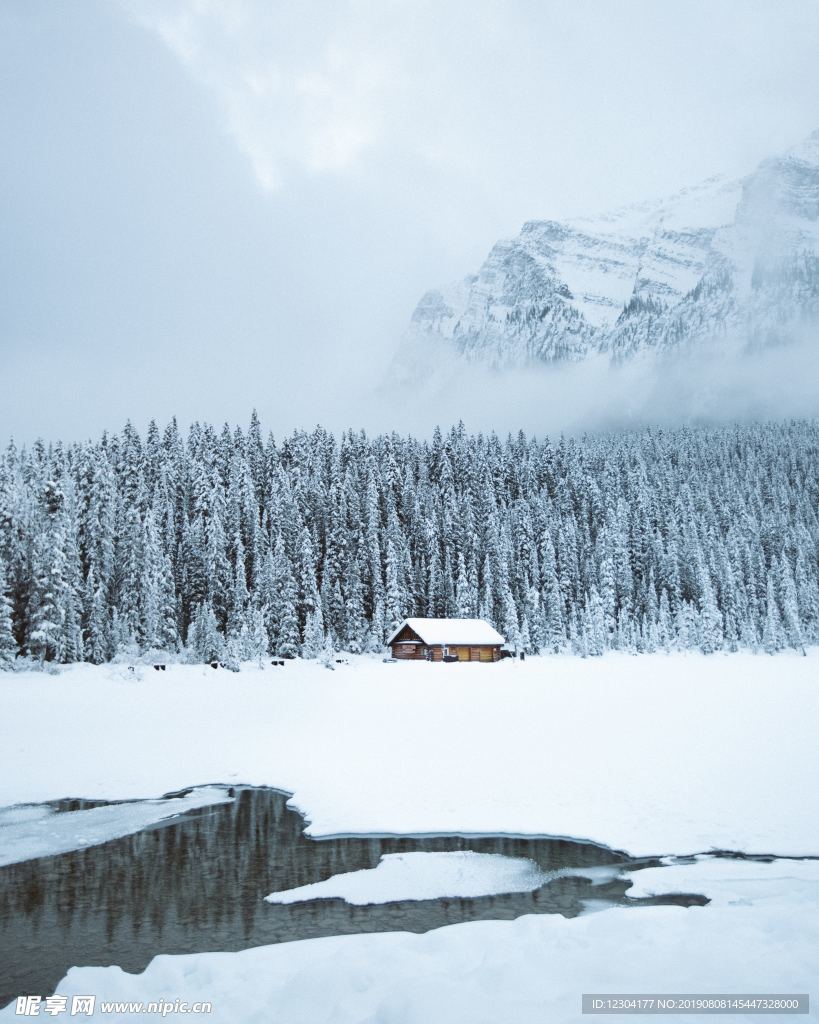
[463,654]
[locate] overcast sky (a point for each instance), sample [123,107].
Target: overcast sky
[213,204]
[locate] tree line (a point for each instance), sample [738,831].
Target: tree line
[229,544]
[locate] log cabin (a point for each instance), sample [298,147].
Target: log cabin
[437,639]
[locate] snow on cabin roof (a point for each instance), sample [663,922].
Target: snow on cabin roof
[451,631]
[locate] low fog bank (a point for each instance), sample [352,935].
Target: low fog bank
[696,386]
[699,386]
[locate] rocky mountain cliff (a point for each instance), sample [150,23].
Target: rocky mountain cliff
[722,260]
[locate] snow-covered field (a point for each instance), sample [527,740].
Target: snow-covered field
[428,876]
[652,754]
[28,831]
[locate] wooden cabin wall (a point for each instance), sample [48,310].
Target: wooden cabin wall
[405,652]
[408,653]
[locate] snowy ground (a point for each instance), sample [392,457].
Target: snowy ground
[759,935]
[652,754]
[28,831]
[428,876]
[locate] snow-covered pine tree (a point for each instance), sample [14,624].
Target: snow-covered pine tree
[239,595]
[709,626]
[594,624]
[116,543]
[355,623]
[464,597]
[256,642]
[309,597]
[314,639]
[395,597]
[46,614]
[205,642]
[772,636]
[790,606]
[282,598]
[98,646]
[8,645]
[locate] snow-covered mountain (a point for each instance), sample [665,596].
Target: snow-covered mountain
[724,259]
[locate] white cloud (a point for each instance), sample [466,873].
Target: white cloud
[510,106]
[299,86]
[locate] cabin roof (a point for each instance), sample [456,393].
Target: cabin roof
[451,631]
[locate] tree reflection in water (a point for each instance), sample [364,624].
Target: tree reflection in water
[196,883]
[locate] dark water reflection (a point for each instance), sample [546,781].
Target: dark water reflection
[196,883]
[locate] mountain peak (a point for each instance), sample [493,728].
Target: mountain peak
[807,151]
[650,275]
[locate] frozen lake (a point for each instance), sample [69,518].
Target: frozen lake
[197,882]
